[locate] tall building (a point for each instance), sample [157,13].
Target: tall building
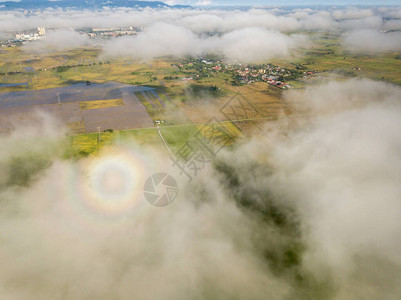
[41,31]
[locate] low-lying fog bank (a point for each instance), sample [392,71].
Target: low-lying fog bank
[310,212]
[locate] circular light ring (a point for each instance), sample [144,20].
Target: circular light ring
[111,184]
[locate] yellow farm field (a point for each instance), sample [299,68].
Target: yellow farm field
[85,105]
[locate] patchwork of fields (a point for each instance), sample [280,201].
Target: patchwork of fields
[82,107]
[86,93]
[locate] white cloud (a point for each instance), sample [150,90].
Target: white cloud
[157,40]
[257,44]
[204,3]
[244,45]
[371,41]
[352,13]
[56,40]
[197,19]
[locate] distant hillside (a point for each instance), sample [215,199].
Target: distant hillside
[89,4]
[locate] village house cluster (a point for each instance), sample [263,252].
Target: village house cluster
[273,75]
[242,73]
